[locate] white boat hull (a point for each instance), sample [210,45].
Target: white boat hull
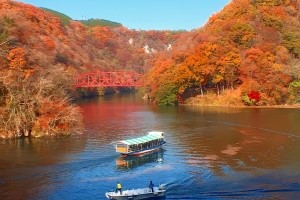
[136,194]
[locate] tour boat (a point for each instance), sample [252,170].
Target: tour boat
[141,145]
[135,194]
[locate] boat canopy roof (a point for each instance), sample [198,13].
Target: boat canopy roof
[150,137]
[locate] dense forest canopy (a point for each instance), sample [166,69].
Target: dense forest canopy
[247,54]
[251,48]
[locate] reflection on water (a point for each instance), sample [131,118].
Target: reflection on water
[24,163]
[242,141]
[130,162]
[211,153]
[240,149]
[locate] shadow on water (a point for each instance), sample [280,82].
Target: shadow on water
[130,162]
[27,164]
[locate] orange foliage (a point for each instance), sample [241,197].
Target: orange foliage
[102,33]
[48,42]
[241,44]
[17,58]
[240,47]
[51,114]
[253,54]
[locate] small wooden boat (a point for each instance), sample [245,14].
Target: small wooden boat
[136,194]
[141,145]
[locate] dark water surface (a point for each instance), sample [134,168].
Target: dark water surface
[211,153]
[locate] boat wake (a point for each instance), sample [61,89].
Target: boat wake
[132,175]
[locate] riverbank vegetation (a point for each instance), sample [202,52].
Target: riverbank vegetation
[35,102]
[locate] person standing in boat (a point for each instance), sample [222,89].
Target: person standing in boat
[151,185]
[119,187]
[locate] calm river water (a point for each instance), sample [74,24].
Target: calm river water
[211,153]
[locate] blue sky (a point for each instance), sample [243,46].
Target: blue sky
[139,14]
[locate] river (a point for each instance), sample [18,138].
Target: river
[211,153]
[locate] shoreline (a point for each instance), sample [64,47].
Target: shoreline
[296,106]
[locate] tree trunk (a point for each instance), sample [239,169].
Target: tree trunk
[201,90]
[19,132]
[26,133]
[223,86]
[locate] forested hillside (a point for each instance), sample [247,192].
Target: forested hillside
[40,55]
[247,54]
[63,18]
[89,22]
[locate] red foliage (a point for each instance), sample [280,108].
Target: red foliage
[254,95]
[180,99]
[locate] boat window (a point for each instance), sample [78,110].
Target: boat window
[121,145]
